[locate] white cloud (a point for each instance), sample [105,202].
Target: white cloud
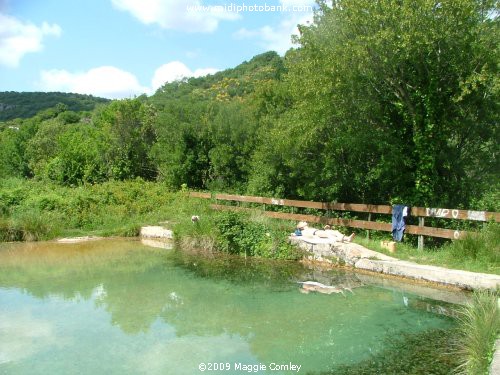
[185,353]
[176,14]
[279,37]
[176,70]
[23,336]
[18,38]
[104,81]
[114,83]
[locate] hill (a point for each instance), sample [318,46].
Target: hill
[226,85]
[26,104]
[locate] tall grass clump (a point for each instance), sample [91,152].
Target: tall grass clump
[482,246]
[34,225]
[479,327]
[8,232]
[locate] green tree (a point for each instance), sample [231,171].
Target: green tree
[184,142]
[127,135]
[392,99]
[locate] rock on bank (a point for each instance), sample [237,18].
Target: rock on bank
[328,251]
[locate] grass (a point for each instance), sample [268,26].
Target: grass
[33,210]
[479,327]
[477,252]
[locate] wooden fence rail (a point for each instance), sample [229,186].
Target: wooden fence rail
[420,212]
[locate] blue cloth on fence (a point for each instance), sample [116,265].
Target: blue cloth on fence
[398,221]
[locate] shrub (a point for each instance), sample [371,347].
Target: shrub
[240,233]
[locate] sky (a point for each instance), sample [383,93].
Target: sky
[124,48]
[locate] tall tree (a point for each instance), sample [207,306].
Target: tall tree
[393,99]
[128,134]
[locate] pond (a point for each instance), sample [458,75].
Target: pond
[121,307]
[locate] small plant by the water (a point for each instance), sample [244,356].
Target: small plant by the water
[479,327]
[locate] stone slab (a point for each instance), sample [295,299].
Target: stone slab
[357,256]
[155,232]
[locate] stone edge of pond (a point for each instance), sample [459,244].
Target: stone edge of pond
[155,231]
[359,257]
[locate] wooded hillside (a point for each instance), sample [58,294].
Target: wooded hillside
[27,104]
[381,102]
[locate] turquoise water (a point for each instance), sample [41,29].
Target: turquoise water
[119,307]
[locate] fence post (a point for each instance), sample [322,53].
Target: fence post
[421,222]
[368,230]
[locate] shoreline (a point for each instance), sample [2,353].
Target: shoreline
[357,257]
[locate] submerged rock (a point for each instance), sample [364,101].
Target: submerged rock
[158,243]
[78,239]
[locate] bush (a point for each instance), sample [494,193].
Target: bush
[230,227]
[240,233]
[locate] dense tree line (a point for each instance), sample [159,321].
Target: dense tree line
[382,101]
[27,104]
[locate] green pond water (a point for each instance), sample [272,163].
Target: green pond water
[120,307]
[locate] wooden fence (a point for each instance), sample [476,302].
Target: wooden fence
[421,212]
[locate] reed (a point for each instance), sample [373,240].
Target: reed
[478,328]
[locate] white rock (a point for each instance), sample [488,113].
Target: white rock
[156,232]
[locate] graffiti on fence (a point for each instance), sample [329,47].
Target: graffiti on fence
[476,215]
[278,202]
[442,212]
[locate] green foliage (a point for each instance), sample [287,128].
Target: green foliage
[479,327]
[380,107]
[230,226]
[126,132]
[382,101]
[33,210]
[254,236]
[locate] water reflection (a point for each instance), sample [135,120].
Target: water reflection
[158,311]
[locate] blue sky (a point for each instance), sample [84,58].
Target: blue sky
[122,48]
